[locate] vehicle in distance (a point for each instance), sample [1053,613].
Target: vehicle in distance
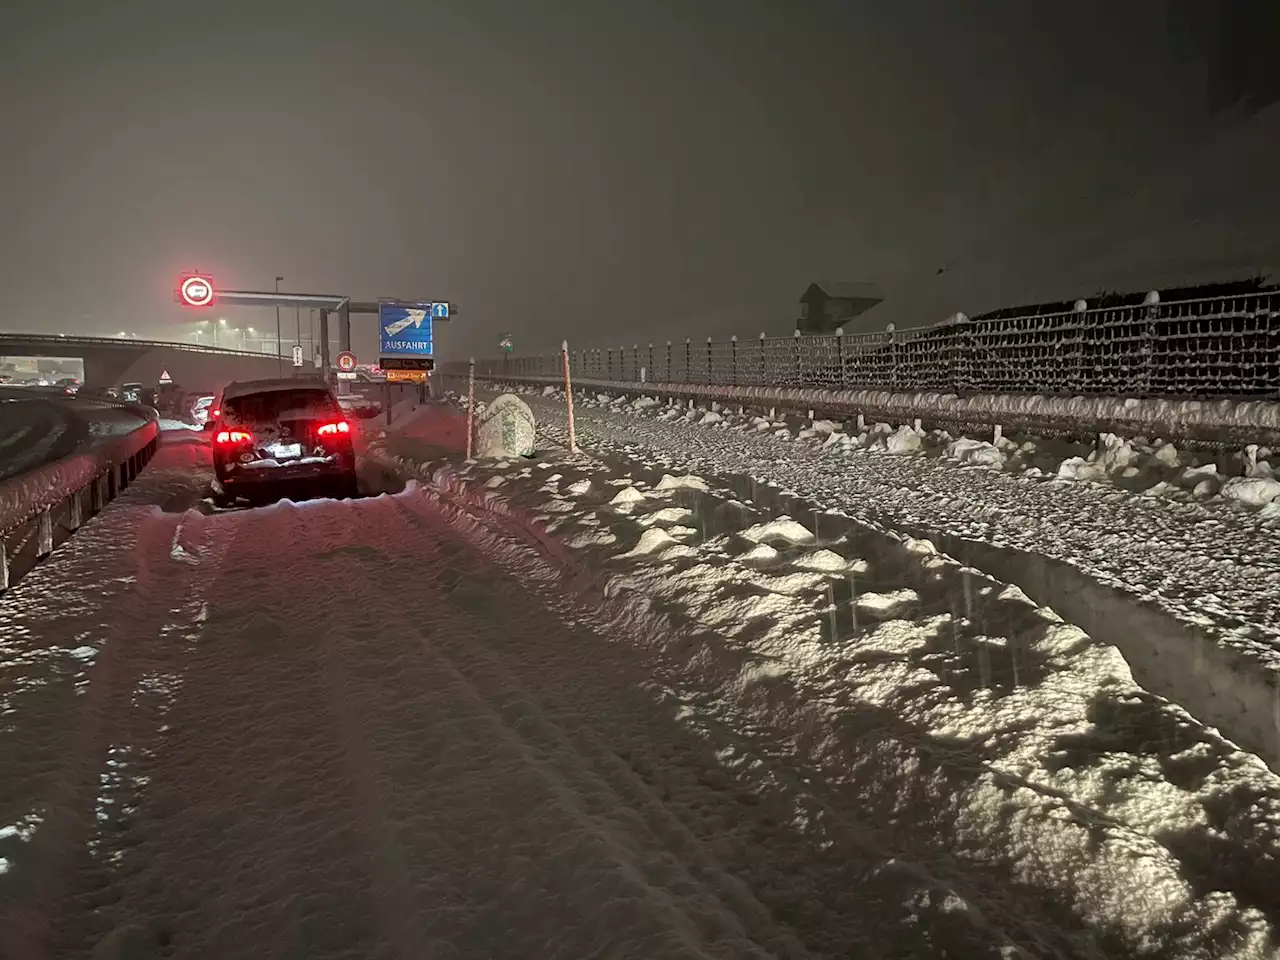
[273,437]
[201,409]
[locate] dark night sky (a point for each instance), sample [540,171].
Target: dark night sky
[625,171]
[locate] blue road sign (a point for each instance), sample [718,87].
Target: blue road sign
[405,331]
[440,311]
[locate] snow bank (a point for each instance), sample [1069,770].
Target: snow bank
[925,702]
[1152,467]
[24,496]
[1214,420]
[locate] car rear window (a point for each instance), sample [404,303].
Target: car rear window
[280,405]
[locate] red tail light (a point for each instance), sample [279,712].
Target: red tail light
[213,414]
[333,429]
[230,437]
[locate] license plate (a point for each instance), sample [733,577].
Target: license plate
[285,450]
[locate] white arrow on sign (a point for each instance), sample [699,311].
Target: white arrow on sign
[413,318]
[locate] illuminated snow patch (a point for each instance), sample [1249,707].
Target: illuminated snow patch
[783,528]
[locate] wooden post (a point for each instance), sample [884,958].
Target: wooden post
[44,533]
[568,395]
[471,402]
[75,511]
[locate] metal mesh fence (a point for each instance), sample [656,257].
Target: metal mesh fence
[1227,346]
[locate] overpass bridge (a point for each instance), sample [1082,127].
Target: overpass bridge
[114,360]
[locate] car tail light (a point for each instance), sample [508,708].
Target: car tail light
[333,429]
[231,437]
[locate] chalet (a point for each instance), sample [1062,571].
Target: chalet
[829,304]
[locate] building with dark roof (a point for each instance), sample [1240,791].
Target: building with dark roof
[828,304]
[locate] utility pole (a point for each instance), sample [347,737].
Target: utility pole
[279,356]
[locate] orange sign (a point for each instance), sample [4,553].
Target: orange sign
[406,376]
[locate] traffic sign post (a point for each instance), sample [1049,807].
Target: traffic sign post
[405,329]
[406,341]
[346,364]
[506,344]
[195,290]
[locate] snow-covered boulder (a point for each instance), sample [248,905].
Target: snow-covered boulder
[968,450]
[1252,491]
[904,441]
[506,429]
[1116,453]
[1078,468]
[710,417]
[1197,476]
[550,391]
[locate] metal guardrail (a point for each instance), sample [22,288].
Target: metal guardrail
[53,501]
[127,342]
[1225,346]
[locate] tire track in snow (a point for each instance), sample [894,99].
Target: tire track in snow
[553,731]
[591,802]
[889,860]
[324,704]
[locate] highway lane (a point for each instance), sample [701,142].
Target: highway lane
[39,427]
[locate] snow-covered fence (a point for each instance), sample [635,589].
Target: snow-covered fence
[64,494]
[1224,346]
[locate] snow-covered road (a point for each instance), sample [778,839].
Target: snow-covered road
[414,726]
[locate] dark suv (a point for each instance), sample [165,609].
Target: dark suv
[272,437]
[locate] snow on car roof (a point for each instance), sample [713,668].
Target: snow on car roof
[247,387]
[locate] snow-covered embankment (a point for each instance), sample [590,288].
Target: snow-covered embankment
[920,700]
[1182,578]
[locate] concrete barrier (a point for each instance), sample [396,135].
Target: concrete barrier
[66,492]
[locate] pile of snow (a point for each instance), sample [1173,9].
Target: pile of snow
[167,424]
[940,708]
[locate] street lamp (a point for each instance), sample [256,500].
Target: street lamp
[279,359]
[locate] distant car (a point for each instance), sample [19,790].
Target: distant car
[362,408]
[215,411]
[274,435]
[201,409]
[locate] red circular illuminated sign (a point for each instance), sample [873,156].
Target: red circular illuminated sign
[196,291]
[346,361]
